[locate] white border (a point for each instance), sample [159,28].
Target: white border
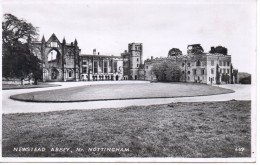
[254,114]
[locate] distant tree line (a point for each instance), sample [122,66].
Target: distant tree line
[18,61]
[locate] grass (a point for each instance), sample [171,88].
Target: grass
[121,91]
[19,86]
[189,130]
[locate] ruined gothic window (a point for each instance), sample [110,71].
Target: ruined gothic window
[52,55]
[54,44]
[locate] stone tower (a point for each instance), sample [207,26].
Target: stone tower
[136,59]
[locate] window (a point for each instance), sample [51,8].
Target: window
[84,62]
[188,64]
[212,71]
[84,70]
[198,63]
[146,67]
[105,67]
[224,63]
[188,72]
[115,66]
[202,71]
[227,71]
[52,55]
[227,63]
[194,72]
[220,70]
[70,74]
[188,78]
[137,65]
[54,44]
[212,62]
[137,59]
[95,67]
[183,64]
[224,71]
[183,72]
[220,63]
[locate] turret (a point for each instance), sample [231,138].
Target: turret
[43,39]
[64,41]
[76,42]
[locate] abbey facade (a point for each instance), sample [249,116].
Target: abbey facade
[62,61]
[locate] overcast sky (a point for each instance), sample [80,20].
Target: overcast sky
[159,25]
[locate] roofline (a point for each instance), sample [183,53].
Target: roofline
[92,55]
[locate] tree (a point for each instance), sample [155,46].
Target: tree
[219,49]
[167,71]
[174,52]
[17,56]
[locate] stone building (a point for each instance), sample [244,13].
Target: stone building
[64,62]
[197,66]
[60,60]
[133,62]
[101,67]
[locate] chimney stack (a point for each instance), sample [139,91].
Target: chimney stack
[98,53]
[94,51]
[151,57]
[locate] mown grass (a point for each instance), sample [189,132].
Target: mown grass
[19,86]
[189,130]
[122,91]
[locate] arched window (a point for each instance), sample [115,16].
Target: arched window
[70,74]
[198,63]
[52,55]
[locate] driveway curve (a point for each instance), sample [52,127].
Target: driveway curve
[242,92]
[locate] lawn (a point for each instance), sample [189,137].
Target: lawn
[189,130]
[19,86]
[122,91]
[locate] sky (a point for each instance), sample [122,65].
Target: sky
[160,25]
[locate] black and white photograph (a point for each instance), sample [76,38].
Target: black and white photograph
[128,81]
